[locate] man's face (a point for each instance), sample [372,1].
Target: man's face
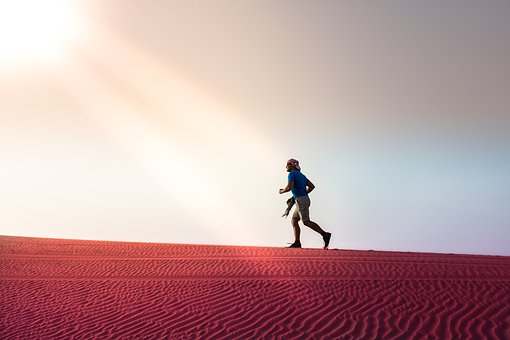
[289,167]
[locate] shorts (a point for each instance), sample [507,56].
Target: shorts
[302,211]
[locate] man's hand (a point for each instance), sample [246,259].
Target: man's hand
[288,188]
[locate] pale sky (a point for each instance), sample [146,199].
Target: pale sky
[171,121]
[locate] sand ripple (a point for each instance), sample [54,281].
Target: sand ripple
[55,289]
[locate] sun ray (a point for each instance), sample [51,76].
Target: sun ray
[148,130]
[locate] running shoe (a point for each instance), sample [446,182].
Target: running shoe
[326,239]
[295,245]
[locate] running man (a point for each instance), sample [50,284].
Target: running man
[301,187]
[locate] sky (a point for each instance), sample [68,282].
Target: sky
[171,121]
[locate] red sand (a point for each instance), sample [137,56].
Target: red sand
[56,289]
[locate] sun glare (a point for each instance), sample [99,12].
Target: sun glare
[37,31]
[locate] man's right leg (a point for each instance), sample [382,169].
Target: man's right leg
[325,235]
[315,227]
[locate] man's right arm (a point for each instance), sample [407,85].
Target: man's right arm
[288,188]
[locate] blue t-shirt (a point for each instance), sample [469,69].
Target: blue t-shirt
[300,181]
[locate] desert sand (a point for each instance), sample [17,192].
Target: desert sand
[58,289]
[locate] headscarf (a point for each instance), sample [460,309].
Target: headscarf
[295,163]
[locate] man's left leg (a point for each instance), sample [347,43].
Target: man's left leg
[297,230]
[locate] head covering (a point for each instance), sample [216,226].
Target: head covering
[295,163]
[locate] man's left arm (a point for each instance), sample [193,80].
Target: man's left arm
[309,186]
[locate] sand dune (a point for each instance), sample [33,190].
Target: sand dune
[54,289]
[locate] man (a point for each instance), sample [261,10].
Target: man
[301,187]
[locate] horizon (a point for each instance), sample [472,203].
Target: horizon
[35,238]
[172,122]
